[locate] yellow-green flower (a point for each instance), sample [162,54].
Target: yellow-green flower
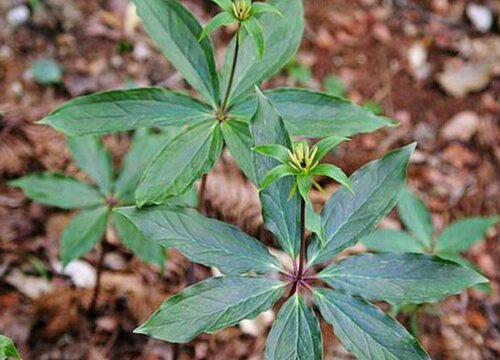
[302,162]
[245,13]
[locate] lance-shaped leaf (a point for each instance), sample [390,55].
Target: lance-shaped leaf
[416,217]
[177,33]
[59,191]
[182,161]
[461,235]
[8,349]
[315,114]
[459,259]
[91,156]
[259,8]
[210,306]
[282,36]
[145,145]
[133,239]
[281,213]
[256,32]
[226,5]
[82,233]
[388,240]
[278,152]
[365,330]
[296,333]
[333,172]
[400,278]
[239,141]
[202,240]
[222,19]
[122,110]
[349,216]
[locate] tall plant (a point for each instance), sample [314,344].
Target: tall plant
[268,36]
[338,290]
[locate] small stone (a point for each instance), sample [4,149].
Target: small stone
[462,126]
[469,77]
[480,16]
[417,59]
[18,16]
[141,51]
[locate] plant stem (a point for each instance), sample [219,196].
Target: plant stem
[303,247]
[233,71]
[100,269]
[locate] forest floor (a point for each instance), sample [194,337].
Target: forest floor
[424,63]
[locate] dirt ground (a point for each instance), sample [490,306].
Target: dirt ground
[425,62]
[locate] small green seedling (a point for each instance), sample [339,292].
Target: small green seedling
[254,280]
[8,349]
[96,201]
[220,115]
[421,237]
[299,73]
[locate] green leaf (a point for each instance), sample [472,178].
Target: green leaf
[416,217]
[176,31]
[304,186]
[282,36]
[365,330]
[400,278]
[47,72]
[202,240]
[59,191]
[334,173]
[222,19]
[392,241]
[145,145]
[239,141]
[91,156]
[226,5]
[281,213]
[210,306]
[459,259]
[182,161]
[296,333]
[334,86]
[256,32]
[259,8]
[327,144]
[8,349]
[315,114]
[275,174]
[349,216]
[145,249]
[313,222]
[82,233]
[278,152]
[122,110]
[461,235]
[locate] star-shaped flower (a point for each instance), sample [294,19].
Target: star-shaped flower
[303,163]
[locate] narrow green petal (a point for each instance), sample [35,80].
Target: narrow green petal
[259,8]
[333,172]
[256,31]
[223,19]
[324,146]
[226,5]
[275,151]
[275,174]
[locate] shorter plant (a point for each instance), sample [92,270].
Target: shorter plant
[421,237]
[96,201]
[244,290]
[8,349]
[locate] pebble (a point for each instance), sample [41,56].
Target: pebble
[462,126]
[18,15]
[480,16]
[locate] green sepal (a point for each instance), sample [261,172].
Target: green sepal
[277,173]
[275,151]
[334,173]
[226,5]
[327,144]
[256,32]
[222,19]
[259,8]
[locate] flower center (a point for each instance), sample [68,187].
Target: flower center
[242,10]
[303,158]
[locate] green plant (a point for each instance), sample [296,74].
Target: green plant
[221,116]
[96,201]
[219,302]
[421,237]
[8,349]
